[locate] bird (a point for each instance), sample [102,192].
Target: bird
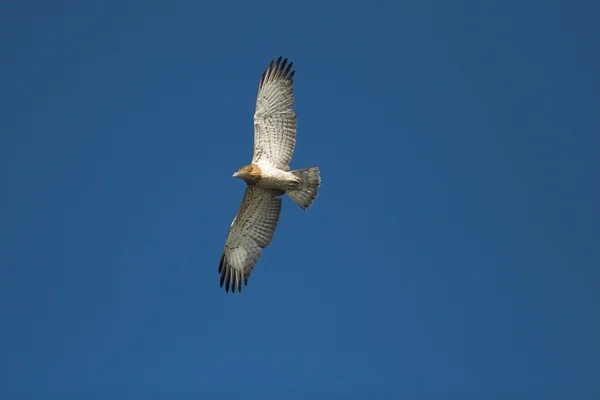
[267,177]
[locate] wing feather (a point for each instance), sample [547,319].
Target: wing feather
[252,229]
[274,117]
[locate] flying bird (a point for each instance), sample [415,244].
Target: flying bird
[267,177]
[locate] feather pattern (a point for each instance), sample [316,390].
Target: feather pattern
[252,229]
[274,117]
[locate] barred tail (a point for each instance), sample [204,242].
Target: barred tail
[306,192]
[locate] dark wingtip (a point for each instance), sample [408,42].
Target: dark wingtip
[278,69]
[239,286]
[228,277]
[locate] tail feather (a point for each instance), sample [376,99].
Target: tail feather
[306,193]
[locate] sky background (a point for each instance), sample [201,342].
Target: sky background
[453,248]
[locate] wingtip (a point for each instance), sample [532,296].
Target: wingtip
[278,69]
[231,278]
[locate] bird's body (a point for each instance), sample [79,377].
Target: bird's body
[267,177]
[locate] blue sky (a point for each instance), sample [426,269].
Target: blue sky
[453,248]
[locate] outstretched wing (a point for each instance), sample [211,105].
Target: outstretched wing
[274,117]
[251,230]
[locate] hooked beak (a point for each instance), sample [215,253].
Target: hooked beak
[235,175]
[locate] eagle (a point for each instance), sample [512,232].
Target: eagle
[267,177]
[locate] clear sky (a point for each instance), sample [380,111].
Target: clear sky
[453,248]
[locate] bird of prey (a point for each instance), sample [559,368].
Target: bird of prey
[267,177]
